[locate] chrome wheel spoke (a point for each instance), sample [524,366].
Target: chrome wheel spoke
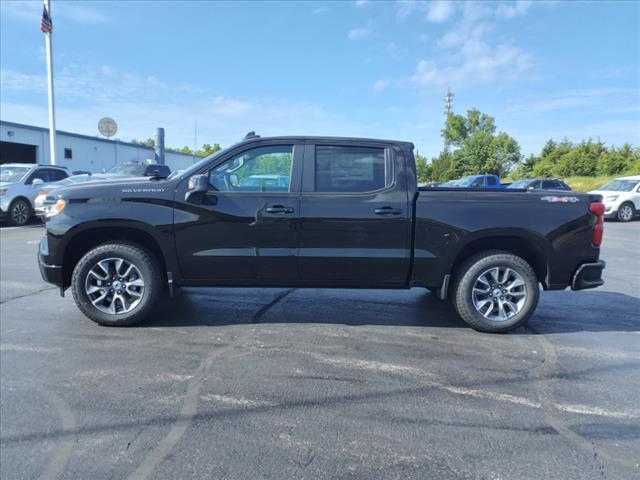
[135,283]
[99,299]
[499,293]
[134,293]
[114,286]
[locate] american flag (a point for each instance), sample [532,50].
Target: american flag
[45,22]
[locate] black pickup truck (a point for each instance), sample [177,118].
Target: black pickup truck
[318,212]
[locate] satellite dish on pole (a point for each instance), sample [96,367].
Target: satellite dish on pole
[107,127]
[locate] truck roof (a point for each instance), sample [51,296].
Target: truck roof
[329,139]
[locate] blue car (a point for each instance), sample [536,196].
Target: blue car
[474,181]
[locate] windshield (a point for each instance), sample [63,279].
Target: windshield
[135,169]
[11,174]
[619,185]
[200,163]
[520,184]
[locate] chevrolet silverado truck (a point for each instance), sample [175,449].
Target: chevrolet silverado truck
[347,214]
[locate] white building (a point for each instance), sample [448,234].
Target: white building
[30,144]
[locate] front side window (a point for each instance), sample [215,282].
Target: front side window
[491,181]
[478,183]
[41,174]
[55,175]
[350,169]
[261,169]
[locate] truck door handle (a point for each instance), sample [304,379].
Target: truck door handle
[387,211]
[279,210]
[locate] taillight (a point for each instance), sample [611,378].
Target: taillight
[597,208]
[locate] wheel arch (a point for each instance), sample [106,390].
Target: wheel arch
[90,237]
[535,251]
[22,197]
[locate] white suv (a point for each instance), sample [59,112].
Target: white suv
[621,197]
[19,185]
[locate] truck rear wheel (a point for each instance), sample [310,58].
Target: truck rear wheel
[117,284]
[495,291]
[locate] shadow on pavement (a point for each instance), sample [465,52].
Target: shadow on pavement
[593,312]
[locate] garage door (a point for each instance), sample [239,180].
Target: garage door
[17,153]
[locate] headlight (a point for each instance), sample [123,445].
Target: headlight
[611,198]
[56,208]
[3,191]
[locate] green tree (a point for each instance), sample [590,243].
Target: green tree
[423,168]
[477,147]
[208,149]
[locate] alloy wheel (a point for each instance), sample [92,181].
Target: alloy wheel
[499,293]
[20,213]
[114,286]
[626,212]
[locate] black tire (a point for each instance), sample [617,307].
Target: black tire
[622,215]
[468,273]
[20,212]
[145,262]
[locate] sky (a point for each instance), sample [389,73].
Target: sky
[353,68]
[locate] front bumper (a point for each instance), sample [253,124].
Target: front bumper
[588,275]
[50,273]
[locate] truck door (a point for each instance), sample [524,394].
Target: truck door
[355,220]
[242,231]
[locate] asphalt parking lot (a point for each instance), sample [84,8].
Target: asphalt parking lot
[274,383]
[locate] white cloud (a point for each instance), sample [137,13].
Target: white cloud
[140,102]
[468,54]
[380,84]
[616,98]
[440,11]
[360,33]
[476,63]
[436,11]
[513,9]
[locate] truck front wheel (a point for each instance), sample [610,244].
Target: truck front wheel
[117,284]
[495,291]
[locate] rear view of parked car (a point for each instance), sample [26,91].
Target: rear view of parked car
[540,184]
[621,198]
[19,185]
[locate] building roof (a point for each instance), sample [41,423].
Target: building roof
[78,135]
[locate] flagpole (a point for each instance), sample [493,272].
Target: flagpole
[52,113]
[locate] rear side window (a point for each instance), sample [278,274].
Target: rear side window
[491,181]
[350,169]
[55,175]
[550,185]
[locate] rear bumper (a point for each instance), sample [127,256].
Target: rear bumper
[588,275]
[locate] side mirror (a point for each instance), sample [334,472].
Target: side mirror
[531,188]
[36,182]
[198,184]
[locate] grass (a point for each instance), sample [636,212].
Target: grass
[586,184]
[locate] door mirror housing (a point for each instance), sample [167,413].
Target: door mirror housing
[198,185]
[36,182]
